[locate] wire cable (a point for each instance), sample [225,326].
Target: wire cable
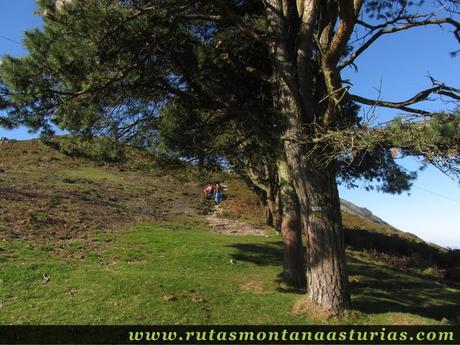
[437,194]
[10,39]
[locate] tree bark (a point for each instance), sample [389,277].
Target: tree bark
[268,215]
[314,184]
[293,250]
[326,260]
[316,189]
[327,279]
[274,208]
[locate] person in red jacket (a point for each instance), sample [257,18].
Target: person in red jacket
[209,191]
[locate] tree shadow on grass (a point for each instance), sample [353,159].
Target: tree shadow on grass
[401,245]
[267,254]
[377,289]
[299,291]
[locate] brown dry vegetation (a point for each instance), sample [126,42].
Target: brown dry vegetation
[45,194]
[70,208]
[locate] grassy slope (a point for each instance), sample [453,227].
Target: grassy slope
[84,244]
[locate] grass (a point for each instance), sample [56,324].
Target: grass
[126,281]
[128,278]
[91,174]
[46,194]
[378,289]
[82,243]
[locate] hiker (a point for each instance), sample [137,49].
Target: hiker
[218,193]
[209,191]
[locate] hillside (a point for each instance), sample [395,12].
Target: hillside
[133,242]
[350,208]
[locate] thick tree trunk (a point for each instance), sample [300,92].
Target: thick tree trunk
[315,185]
[326,259]
[293,250]
[316,190]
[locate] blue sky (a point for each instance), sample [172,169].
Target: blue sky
[396,67]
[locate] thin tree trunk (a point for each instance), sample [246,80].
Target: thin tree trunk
[266,199]
[293,250]
[275,212]
[268,214]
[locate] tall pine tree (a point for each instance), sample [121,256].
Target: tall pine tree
[109,67]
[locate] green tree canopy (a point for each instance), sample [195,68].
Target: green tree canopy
[238,79]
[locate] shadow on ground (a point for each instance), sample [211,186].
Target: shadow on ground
[267,254]
[402,249]
[376,289]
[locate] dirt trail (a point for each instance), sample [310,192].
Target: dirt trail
[232,227]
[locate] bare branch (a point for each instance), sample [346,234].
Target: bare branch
[419,97]
[389,30]
[449,94]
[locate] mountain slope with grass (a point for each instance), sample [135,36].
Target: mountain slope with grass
[134,242]
[349,207]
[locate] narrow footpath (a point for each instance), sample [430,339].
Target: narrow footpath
[232,227]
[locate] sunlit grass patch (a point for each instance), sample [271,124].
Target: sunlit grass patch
[92,174]
[185,274]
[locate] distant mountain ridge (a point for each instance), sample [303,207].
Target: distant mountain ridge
[349,207]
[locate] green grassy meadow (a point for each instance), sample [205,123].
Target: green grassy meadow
[87,243]
[183,274]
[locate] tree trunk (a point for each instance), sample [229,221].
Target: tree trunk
[293,250]
[268,214]
[315,185]
[316,189]
[275,212]
[327,279]
[326,259]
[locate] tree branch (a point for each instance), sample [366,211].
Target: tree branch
[439,89]
[346,25]
[202,16]
[377,103]
[385,31]
[347,14]
[419,97]
[304,48]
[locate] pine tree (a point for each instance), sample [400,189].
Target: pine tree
[110,67]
